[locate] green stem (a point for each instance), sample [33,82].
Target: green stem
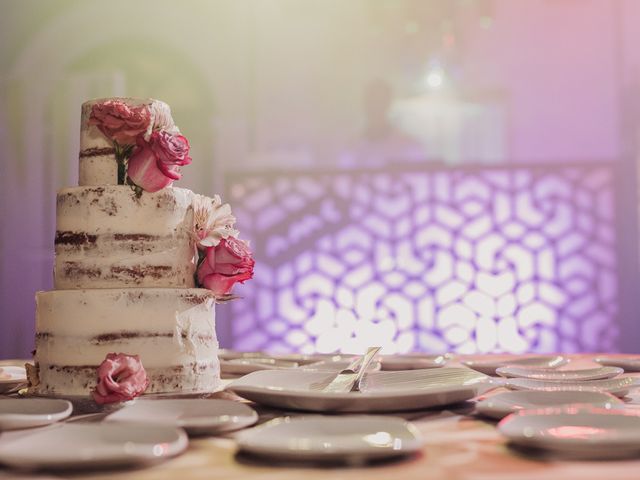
[123,152]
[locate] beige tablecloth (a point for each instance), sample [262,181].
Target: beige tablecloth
[458,445]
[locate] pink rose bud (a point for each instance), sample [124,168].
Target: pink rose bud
[120,122]
[144,172]
[121,377]
[226,264]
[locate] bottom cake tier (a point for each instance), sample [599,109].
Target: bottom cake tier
[172,331]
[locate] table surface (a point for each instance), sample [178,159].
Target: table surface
[458,445]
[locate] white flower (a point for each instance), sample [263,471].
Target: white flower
[213,221]
[160,119]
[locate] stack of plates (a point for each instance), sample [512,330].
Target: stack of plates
[489,366]
[584,374]
[629,364]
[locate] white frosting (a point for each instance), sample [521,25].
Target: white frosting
[172,330]
[109,238]
[98,170]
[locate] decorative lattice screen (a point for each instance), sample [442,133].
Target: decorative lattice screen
[468,260]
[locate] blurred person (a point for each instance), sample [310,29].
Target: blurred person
[381,143]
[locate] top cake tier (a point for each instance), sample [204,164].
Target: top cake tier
[99,127]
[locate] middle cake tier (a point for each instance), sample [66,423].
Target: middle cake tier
[110,237]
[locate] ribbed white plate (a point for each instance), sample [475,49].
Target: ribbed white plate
[321,438]
[583,432]
[67,446]
[381,391]
[502,404]
[559,375]
[619,386]
[490,365]
[197,416]
[629,364]
[412,361]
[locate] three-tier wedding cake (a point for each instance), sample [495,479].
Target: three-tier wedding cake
[139,265]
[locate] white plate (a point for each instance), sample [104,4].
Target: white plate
[381,391]
[11,376]
[18,413]
[197,416]
[502,404]
[77,445]
[305,359]
[337,365]
[242,366]
[226,354]
[350,437]
[299,358]
[489,366]
[619,386]
[629,364]
[559,375]
[576,431]
[412,361]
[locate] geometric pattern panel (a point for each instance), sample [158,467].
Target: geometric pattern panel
[507,259]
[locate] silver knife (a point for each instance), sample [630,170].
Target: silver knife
[349,379]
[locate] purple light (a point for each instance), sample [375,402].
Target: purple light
[476,260]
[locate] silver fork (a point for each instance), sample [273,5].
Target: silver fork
[348,380]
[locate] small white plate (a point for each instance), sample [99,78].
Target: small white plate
[77,445]
[337,365]
[305,359]
[380,391]
[598,373]
[629,364]
[489,366]
[11,376]
[576,431]
[299,358]
[16,413]
[619,386]
[354,438]
[226,354]
[242,366]
[505,403]
[197,416]
[412,361]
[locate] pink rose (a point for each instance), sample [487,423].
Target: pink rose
[229,262]
[170,149]
[144,172]
[156,164]
[121,377]
[119,121]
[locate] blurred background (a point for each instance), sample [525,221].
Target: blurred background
[433,175]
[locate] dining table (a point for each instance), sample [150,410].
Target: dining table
[458,445]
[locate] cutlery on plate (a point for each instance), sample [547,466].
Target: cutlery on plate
[348,380]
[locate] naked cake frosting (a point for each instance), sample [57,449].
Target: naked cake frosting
[139,265]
